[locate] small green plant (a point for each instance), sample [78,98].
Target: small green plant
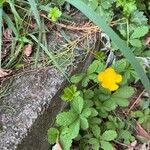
[90,119]
[54,14]
[141,116]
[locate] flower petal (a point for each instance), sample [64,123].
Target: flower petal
[113,87]
[118,78]
[101,76]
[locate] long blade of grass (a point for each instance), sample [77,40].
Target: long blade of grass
[50,56]
[101,23]
[10,24]
[1,24]
[37,18]
[35,12]
[15,13]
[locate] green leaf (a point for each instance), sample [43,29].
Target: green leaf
[109,135]
[95,120]
[124,92]
[136,42]
[66,138]
[76,78]
[93,4]
[35,12]
[88,94]
[138,18]
[84,123]
[101,23]
[120,65]
[139,32]
[96,130]
[66,118]
[74,127]
[54,14]
[77,104]
[107,4]
[137,114]
[85,81]
[70,93]
[94,112]
[86,112]
[52,135]
[109,105]
[95,143]
[95,66]
[126,136]
[123,102]
[106,145]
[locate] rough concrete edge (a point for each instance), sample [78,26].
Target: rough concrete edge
[37,138]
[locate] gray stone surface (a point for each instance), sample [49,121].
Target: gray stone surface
[31,103]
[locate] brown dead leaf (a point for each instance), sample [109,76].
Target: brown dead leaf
[4,72]
[141,131]
[7,33]
[28,49]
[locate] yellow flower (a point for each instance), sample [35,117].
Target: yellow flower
[109,79]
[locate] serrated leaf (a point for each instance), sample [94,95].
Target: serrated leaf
[96,66]
[93,4]
[120,65]
[106,145]
[136,42]
[96,130]
[52,135]
[74,127]
[109,135]
[84,123]
[94,112]
[138,18]
[95,120]
[123,102]
[139,32]
[77,104]
[106,4]
[66,138]
[85,81]
[88,94]
[95,143]
[86,112]
[124,92]
[76,78]
[70,93]
[126,136]
[109,105]
[66,118]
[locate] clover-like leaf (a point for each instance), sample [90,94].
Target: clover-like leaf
[109,135]
[139,32]
[66,118]
[106,145]
[124,92]
[77,104]
[52,135]
[70,93]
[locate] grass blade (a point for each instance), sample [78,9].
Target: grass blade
[10,24]
[1,24]
[37,18]
[35,12]
[101,23]
[50,56]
